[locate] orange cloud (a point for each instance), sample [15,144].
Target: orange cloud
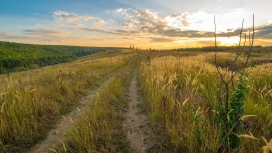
[70,17]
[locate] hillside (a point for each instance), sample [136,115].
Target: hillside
[17,56]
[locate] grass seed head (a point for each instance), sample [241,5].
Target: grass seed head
[247,116]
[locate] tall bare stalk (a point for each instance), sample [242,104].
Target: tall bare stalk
[230,106]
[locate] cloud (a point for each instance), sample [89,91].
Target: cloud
[261,32]
[115,32]
[119,10]
[98,30]
[69,26]
[70,17]
[173,25]
[230,33]
[99,21]
[124,12]
[158,31]
[148,18]
[131,23]
[44,32]
[183,21]
[264,32]
[187,34]
[147,23]
[39,36]
[153,26]
[161,39]
[178,20]
[65,16]
[8,35]
[77,25]
[51,25]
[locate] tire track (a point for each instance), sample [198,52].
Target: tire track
[137,126]
[57,135]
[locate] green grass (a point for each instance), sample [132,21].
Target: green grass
[19,57]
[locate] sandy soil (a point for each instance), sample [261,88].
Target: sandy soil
[137,125]
[57,135]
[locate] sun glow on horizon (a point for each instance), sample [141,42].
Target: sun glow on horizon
[228,41]
[147,24]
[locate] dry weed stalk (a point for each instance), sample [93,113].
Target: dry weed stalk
[230,106]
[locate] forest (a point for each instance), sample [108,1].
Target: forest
[19,57]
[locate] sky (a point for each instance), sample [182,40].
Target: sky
[156,24]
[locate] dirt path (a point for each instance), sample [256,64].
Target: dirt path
[57,135]
[137,125]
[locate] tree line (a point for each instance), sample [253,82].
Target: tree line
[17,56]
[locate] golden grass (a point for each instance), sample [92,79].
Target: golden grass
[179,93]
[100,128]
[268,147]
[32,100]
[183,89]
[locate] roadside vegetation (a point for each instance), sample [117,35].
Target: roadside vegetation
[31,101]
[184,89]
[100,128]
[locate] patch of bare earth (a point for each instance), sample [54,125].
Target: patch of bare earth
[57,135]
[137,125]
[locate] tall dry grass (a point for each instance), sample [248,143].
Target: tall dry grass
[32,101]
[100,128]
[180,98]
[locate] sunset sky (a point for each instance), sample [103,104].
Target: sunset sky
[143,23]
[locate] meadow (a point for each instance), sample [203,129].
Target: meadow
[178,89]
[32,101]
[180,96]
[100,128]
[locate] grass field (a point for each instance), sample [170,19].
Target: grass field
[178,89]
[100,128]
[183,88]
[32,101]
